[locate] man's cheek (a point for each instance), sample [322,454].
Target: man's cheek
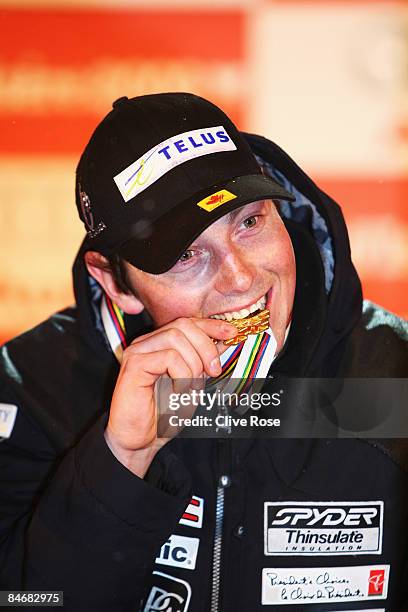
[289,262]
[176,309]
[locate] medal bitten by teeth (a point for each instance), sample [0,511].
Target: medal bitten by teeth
[254,324]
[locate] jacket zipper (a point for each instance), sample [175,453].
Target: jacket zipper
[219,519]
[223,483]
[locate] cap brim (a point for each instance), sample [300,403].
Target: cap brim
[157,245]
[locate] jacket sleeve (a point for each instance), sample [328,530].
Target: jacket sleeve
[84,524]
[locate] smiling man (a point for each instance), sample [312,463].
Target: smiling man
[199,240]
[192,226]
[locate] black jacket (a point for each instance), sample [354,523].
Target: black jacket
[318,524]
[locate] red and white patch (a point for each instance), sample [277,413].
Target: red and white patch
[193,515]
[376,582]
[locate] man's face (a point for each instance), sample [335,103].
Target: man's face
[241,258]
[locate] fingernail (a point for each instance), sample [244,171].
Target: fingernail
[215,366]
[230,329]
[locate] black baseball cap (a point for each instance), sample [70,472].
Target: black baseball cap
[157,171]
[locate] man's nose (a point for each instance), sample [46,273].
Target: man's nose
[235,274]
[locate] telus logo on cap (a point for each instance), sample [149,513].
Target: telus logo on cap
[167,155]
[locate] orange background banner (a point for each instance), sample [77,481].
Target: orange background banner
[61,68]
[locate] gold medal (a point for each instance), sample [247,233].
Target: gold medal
[255,324]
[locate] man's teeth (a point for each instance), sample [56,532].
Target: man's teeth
[241,314]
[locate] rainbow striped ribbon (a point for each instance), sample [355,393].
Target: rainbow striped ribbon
[114,326]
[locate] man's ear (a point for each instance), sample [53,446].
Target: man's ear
[98,267]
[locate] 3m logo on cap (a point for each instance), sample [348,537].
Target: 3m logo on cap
[167,155]
[8,414]
[193,514]
[216,199]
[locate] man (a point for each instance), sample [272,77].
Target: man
[186,232]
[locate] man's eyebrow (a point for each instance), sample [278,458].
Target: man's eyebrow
[231,215]
[234,213]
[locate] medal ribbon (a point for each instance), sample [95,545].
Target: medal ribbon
[114,326]
[243,362]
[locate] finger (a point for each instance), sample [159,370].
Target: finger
[190,340]
[224,331]
[199,333]
[215,328]
[142,370]
[203,344]
[171,338]
[220,330]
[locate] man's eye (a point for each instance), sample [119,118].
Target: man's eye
[251,221]
[186,256]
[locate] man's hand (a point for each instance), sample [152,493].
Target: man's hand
[182,350]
